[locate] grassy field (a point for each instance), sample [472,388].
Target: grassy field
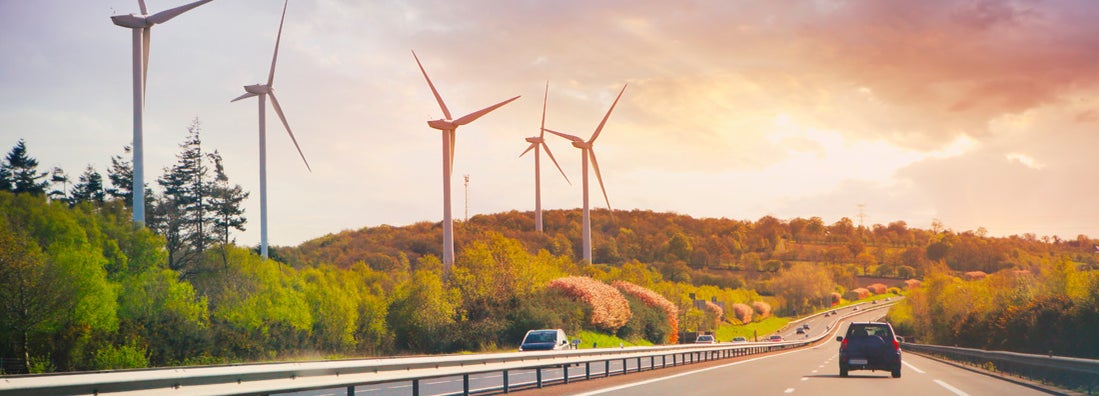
[762,328]
[588,339]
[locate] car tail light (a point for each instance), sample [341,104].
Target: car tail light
[843,345]
[896,345]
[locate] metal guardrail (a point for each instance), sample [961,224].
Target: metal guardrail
[1068,372]
[269,378]
[263,379]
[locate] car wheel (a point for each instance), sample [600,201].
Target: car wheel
[897,372]
[843,371]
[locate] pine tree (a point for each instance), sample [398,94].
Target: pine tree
[5,177]
[24,171]
[58,176]
[89,188]
[121,175]
[225,202]
[182,213]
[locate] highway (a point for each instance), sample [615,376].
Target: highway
[807,371]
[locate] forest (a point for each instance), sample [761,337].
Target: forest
[83,289]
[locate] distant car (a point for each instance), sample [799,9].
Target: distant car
[870,346]
[826,314]
[705,339]
[545,340]
[856,308]
[775,338]
[805,326]
[801,330]
[833,312]
[739,340]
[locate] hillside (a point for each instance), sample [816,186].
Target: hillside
[705,248]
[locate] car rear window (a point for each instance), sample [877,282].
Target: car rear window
[542,336]
[870,329]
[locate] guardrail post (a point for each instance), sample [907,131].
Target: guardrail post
[624,366]
[607,368]
[465,384]
[506,382]
[415,387]
[538,374]
[587,370]
[565,370]
[639,364]
[351,390]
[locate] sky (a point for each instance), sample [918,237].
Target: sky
[969,112]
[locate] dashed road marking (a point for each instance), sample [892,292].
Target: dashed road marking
[913,367]
[789,390]
[951,388]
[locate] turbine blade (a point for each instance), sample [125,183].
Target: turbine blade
[565,135]
[529,148]
[278,38]
[144,10]
[545,98]
[446,112]
[166,15]
[595,167]
[146,37]
[278,110]
[468,118]
[245,96]
[604,122]
[550,153]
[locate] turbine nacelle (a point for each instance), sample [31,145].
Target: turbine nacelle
[443,125]
[535,140]
[258,89]
[582,145]
[133,21]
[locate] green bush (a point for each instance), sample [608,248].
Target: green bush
[648,323]
[546,309]
[127,356]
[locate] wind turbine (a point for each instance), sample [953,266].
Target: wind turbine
[142,25]
[448,126]
[586,151]
[262,91]
[536,144]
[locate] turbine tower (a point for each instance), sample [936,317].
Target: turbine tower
[141,26]
[586,152]
[536,144]
[448,126]
[262,91]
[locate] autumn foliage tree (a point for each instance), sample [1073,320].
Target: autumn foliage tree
[609,309]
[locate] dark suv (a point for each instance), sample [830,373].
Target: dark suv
[870,346]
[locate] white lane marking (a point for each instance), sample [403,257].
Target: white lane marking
[789,390]
[913,367]
[631,385]
[951,388]
[814,371]
[804,378]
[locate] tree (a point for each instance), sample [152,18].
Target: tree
[58,176]
[182,214]
[89,188]
[225,203]
[24,272]
[121,175]
[804,286]
[24,171]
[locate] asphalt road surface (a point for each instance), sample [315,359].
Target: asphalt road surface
[807,371]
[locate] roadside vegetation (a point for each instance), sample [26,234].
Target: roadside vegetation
[85,290]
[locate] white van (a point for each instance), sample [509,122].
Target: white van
[545,340]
